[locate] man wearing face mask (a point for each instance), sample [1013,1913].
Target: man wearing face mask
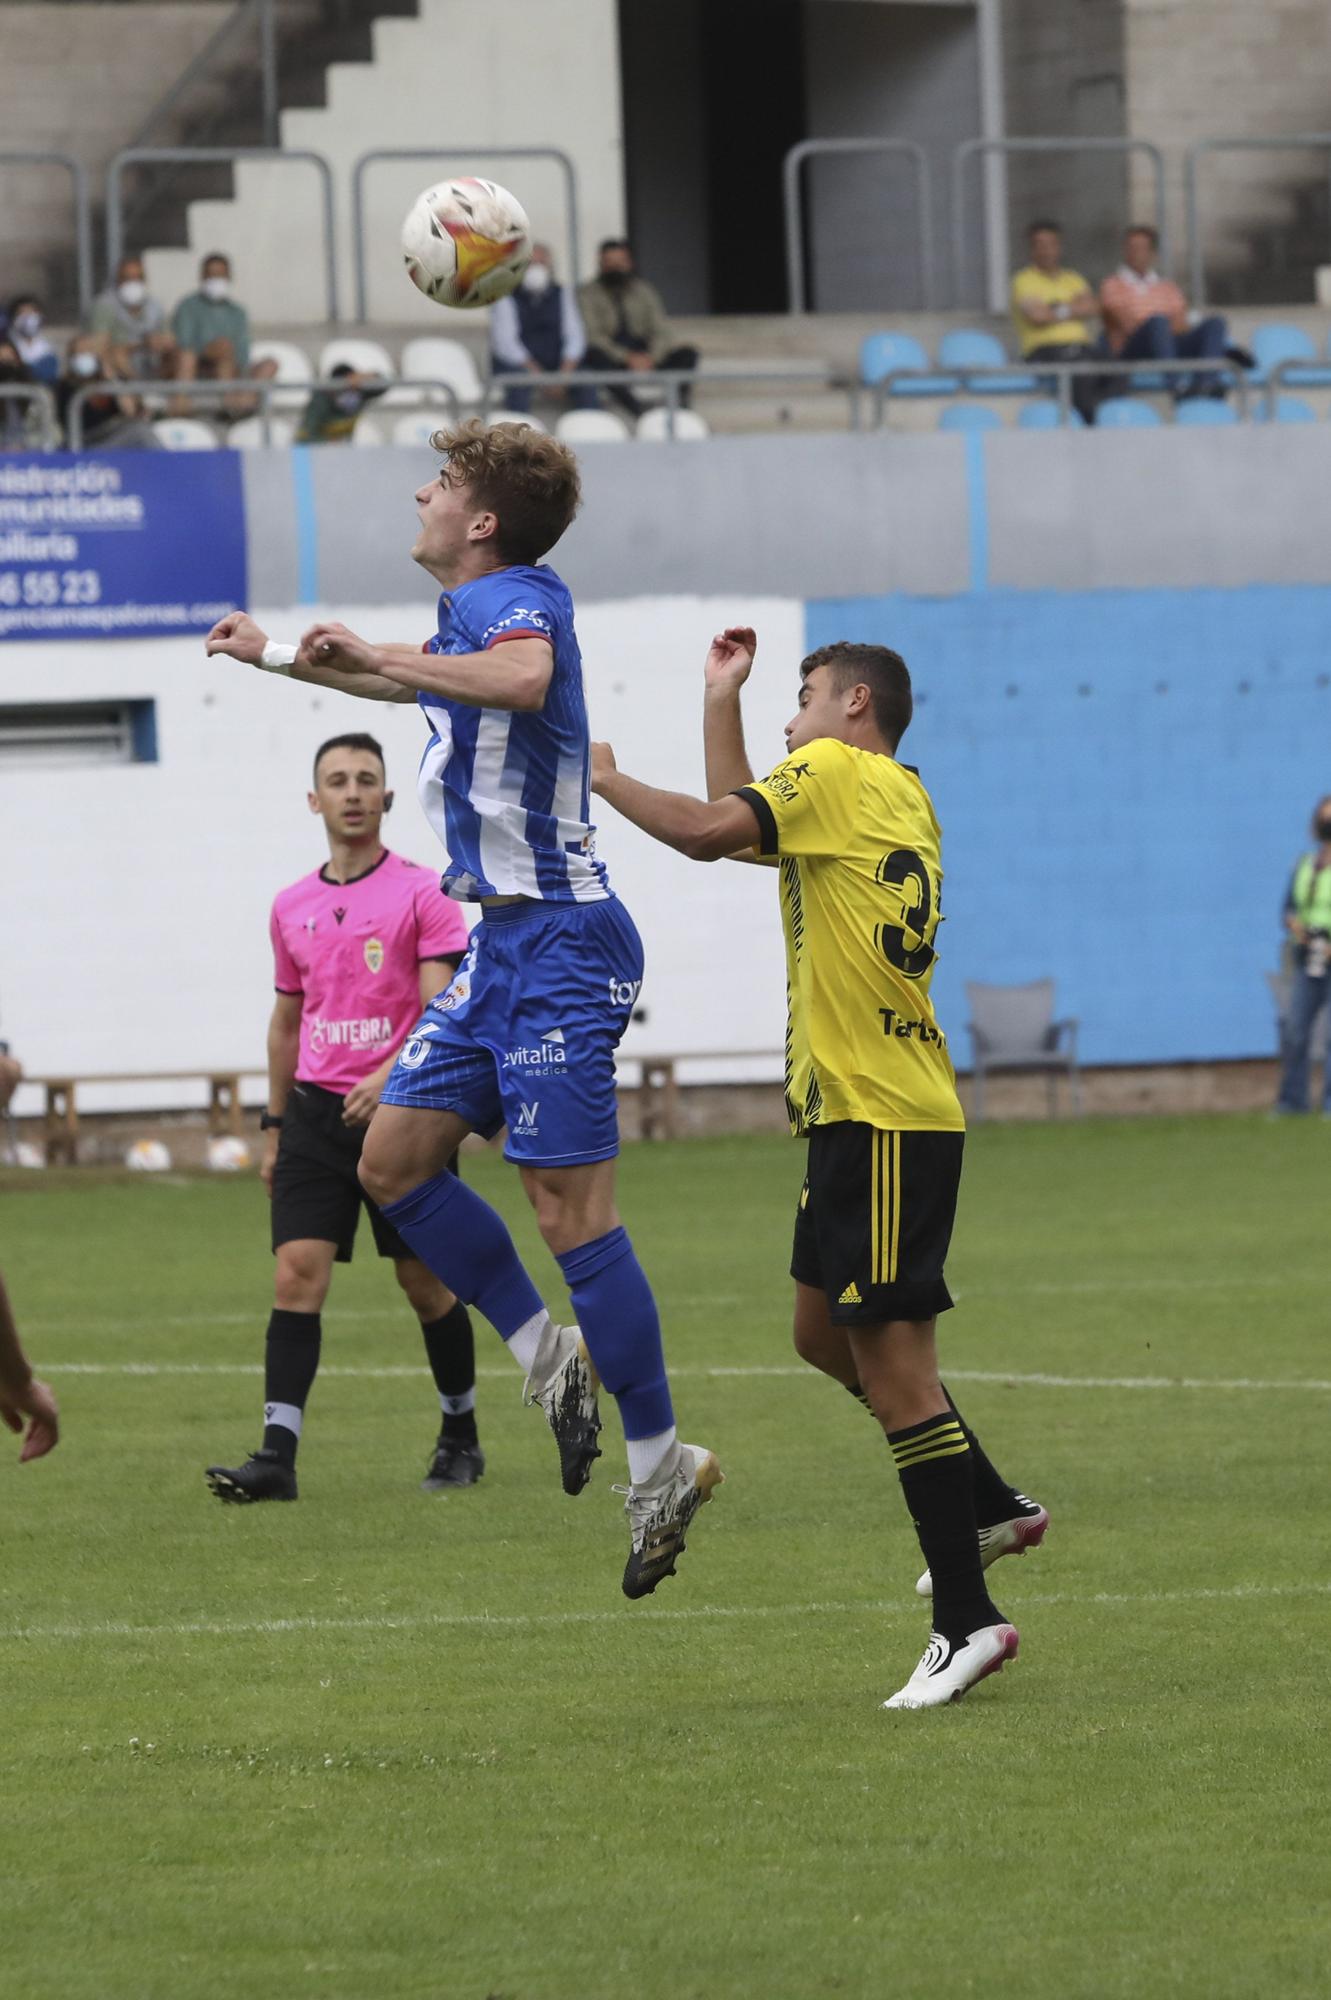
[130,328]
[213,334]
[106,418]
[35,351]
[538,330]
[22,425]
[626,323]
[1308,922]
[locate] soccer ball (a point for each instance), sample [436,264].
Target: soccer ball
[148,1156]
[227,1155]
[466,242]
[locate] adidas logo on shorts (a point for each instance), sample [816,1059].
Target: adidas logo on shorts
[851,1295]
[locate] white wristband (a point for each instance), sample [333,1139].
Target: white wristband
[276,659]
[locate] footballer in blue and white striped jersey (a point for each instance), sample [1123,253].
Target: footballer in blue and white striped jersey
[507,790]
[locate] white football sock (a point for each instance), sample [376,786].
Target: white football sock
[457,1406]
[645,1454]
[286,1414]
[525,1342]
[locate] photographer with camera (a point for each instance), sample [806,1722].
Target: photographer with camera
[1308,922]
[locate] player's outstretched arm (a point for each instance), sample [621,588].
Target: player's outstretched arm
[728,665]
[241,638]
[514,674]
[705,830]
[21,1394]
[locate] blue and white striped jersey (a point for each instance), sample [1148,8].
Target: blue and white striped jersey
[508,792]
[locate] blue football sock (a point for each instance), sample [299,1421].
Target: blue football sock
[619,1322]
[468,1246]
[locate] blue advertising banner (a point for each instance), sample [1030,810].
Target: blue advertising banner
[119,545]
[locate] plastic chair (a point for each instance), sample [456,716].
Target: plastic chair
[969,417]
[1120,413]
[431,358]
[1044,416]
[1277,342]
[881,353]
[971,347]
[185,434]
[513,417]
[1013,1028]
[1205,412]
[417,427]
[247,435]
[370,431]
[1289,410]
[295,371]
[367,357]
[654,427]
[591,427]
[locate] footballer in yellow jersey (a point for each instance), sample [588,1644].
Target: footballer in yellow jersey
[870,1085]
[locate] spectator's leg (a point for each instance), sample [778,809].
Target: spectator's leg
[515,398]
[598,358]
[681,357]
[184,367]
[1305,998]
[1207,341]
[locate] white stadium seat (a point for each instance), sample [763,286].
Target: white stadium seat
[654,427]
[367,357]
[514,417]
[416,427]
[185,434]
[370,431]
[247,435]
[295,371]
[433,359]
[591,427]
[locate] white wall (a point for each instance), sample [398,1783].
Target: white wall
[133,908]
[453,75]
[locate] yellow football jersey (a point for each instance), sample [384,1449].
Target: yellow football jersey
[861,876]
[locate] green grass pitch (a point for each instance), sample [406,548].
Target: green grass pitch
[383,1746]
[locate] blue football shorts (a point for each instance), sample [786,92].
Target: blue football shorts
[525,1033]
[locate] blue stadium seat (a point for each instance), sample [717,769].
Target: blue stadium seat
[1278,342]
[1045,417]
[1199,412]
[971,347]
[1289,410]
[882,353]
[970,417]
[1120,413]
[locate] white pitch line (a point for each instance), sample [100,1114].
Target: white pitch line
[792,1372]
[510,1621]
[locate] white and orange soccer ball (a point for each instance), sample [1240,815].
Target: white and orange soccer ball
[466,242]
[227,1155]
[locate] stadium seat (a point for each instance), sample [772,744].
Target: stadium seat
[416,427]
[185,434]
[514,417]
[1045,416]
[971,347]
[1276,342]
[247,435]
[1289,410]
[295,371]
[1120,413]
[882,353]
[1201,412]
[371,430]
[969,417]
[430,358]
[367,357]
[654,427]
[591,427]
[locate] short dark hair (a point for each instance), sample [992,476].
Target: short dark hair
[613,243]
[214,257]
[527,479]
[882,671]
[1144,229]
[23,299]
[355,739]
[1045,222]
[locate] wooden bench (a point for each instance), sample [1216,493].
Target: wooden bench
[61,1114]
[658,1086]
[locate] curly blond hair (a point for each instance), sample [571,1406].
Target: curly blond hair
[527,480]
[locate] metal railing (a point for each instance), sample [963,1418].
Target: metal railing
[792,202]
[672,382]
[38,393]
[978,148]
[262,389]
[82,212]
[1290,142]
[379,153]
[131,156]
[1292,375]
[1061,373]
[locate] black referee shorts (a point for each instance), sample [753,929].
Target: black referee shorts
[316,1191]
[875,1221]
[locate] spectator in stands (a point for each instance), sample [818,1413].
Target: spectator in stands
[331,414]
[626,323]
[1052,308]
[136,344]
[22,425]
[26,320]
[107,418]
[538,330]
[212,332]
[1147,319]
[1308,924]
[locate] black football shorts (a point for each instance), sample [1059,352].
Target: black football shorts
[316,1191]
[875,1221]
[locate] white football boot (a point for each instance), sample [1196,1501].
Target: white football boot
[659,1514]
[947,1671]
[1005,1538]
[564,1383]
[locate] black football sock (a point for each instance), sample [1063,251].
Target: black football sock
[933,1462]
[451,1348]
[995,1500]
[291,1362]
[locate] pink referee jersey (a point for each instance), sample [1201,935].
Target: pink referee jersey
[352,950]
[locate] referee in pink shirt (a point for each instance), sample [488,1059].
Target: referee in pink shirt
[359,948]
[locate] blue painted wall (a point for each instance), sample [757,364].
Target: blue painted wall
[1124,781]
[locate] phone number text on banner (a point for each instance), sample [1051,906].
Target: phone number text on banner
[119,545]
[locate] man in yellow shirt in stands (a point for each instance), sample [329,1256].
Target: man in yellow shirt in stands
[1052,308]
